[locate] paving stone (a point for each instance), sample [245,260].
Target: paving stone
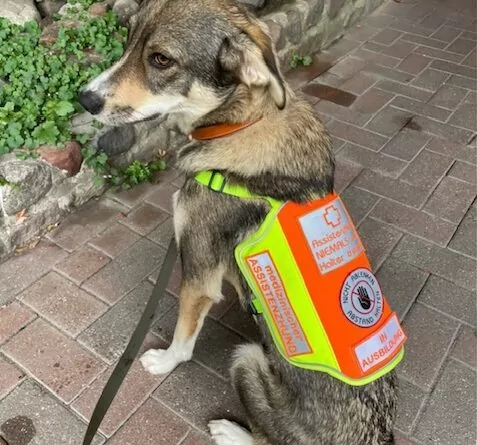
[214,344]
[152,424]
[386,36]
[109,335]
[115,240]
[53,359]
[426,169]
[401,283]
[430,335]
[465,116]
[414,63]
[465,238]
[145,218]
[461,46]
[163,233]
[448,97]
[471,59]
[431,258]
[81,264]
[398,49]
[32,264]
[463,82]
[359,83]
[387,72]
[347,67]
[421,108]
[13,317]
[450,299]
[123,274]
[62,303]
[372,101]
[136,388]
[430,79]
[438,54]
[134,196]
[441,130]
[11,377]
[401,439]
[380,163]
[174,285]
[341,113]
[453,150]
[199,395]
[377,58]
[378,239]
[425,41]
[358,203]
[465,346]
[451,199]
[410,400]
[464,172]
[391,188]
[446,33]
[407,26]
[195,438]
[389,121]
[345,172]
[406,144]
[357,135]
[162,197]
[414,221]
[85,223]
[46,420]
[453,68]
[449,417]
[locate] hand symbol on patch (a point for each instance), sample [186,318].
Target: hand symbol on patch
[363,297]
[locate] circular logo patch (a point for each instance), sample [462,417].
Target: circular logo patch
[361,298]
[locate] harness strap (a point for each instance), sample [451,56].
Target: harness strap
[217,182]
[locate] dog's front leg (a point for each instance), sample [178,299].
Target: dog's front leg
[196,299]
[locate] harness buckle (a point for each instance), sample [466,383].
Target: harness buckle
[211,181]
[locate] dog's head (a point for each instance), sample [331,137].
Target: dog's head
[184,57]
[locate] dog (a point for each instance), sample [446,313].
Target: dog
[209,62]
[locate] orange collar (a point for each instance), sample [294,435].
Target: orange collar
[219,130]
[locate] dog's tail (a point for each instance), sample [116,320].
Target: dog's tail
[262,396]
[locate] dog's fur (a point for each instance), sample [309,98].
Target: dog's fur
[224,69]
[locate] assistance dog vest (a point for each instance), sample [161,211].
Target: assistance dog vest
[312,282]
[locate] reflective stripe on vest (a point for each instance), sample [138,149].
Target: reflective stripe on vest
[313,284]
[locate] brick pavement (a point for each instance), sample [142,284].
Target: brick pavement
[406,155]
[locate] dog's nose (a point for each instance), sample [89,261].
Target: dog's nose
[91,101]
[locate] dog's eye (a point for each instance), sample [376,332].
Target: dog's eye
[159,60]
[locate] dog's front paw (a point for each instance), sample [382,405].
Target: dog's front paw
[225,432]
[159,361]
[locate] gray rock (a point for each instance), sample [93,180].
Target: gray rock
[19,11]
[125,9]
[32,179]
[294,29]
[83,124]
[335,6]
[315,12]
[117,140]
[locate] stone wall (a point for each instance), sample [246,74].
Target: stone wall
[45,193]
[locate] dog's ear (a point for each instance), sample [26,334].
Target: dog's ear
[249,56]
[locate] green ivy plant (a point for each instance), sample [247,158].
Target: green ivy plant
[297,61]
[38,95]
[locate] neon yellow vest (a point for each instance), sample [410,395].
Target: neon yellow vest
[313,284]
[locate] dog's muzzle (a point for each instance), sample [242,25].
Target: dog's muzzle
[91,101]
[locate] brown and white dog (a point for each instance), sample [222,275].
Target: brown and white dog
[208,62]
